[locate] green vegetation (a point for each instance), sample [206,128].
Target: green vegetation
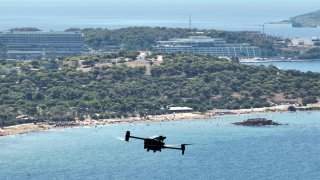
[306,20]
[57,90]
[132,38]
[144,38]
[25,29]
[313,53]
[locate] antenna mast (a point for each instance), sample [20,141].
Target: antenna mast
[263,28]
[190,22]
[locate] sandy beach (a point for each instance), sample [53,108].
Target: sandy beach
[23,128]
[26,128]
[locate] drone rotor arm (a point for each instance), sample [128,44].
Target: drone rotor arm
[128,136]
[181,147]
[134,137]
[172,147]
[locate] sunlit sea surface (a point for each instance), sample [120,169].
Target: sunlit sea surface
[220,151]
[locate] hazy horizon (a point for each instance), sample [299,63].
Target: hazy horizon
[12,10]
[163,8]
[231,15]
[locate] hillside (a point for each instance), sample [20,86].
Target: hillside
[116,90]
[306,20]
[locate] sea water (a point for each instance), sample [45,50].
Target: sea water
[304,66]
[228,20]
[220,150]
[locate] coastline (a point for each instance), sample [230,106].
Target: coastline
[31,127]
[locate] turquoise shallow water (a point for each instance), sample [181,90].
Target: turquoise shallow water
[221,151]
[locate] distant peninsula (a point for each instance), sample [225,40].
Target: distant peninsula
[306,20]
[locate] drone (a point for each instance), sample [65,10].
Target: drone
[156,143]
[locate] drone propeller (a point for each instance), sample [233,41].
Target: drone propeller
[186,144]
[173,145]
[120,138]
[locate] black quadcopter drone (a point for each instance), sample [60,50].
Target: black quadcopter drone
[156,143]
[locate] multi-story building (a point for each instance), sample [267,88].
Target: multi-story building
[305,41]
[41,45]
[204,45]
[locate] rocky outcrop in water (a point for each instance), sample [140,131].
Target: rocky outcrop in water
[257,122]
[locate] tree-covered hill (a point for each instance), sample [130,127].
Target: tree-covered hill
[144,38]
[118,90]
